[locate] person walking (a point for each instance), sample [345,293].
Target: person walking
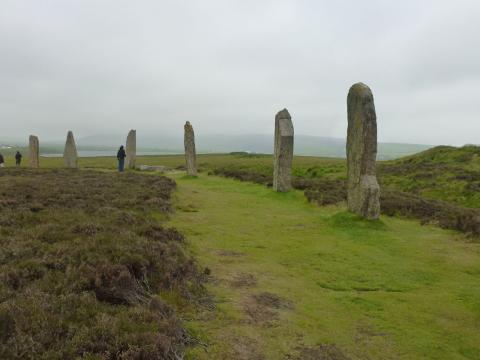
[18,159]
[121,155]
[2,161]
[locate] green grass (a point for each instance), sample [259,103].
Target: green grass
[376,290]
[443,173]
[259,163]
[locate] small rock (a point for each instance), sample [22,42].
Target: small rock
[154,168]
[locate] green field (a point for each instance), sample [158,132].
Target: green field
[444,173]
[353,288]
[292,280]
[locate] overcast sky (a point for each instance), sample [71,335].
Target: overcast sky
[100,66]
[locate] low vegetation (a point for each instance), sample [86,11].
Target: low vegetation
[84,264]
[444,173]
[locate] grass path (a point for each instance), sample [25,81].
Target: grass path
[295,281]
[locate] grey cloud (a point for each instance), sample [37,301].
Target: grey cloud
[229,66]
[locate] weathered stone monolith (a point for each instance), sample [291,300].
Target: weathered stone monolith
[131,149]
[70,156]
[190,153]
[33,152]
[363,189]
[283,152]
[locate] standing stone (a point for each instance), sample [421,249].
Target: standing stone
[190,153]
[131,149]
[70,156]
[363,189]
[33,152]
[283,152]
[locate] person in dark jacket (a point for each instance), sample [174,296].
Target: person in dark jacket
[121,155]
[18,158]
[2,161]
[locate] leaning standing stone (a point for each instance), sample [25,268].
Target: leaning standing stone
[131,149]
[363,188]
[283,152]
[190,153]
[33,152]
[70,155]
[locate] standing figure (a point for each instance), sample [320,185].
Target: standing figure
[2,161]
[18,159]
[121,155]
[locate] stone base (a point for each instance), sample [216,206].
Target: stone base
[364,199]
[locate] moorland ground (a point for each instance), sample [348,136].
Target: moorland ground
[83,262]
[293,280]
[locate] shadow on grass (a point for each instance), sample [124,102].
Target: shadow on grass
[353,223]
[189,177]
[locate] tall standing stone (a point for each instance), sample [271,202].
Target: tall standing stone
[283,152]
[190,153]
[33,152]
[70,156]
[131,149]
[363,188]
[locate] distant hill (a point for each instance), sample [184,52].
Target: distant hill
[167,144]
[464,156]
[304,144]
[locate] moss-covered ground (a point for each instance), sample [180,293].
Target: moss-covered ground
[292,280]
